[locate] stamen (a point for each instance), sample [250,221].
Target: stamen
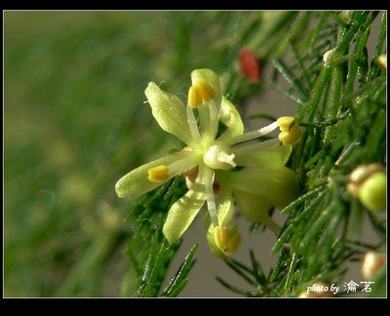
[162,173]
[227,239]
[254,134]
[290,132]
[205,90]
[285,122]
[158,174]
[194,97]
[255,146]
[201,93]
[289,137]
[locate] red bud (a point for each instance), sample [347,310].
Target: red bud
[250,65]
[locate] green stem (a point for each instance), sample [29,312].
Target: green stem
[335,98]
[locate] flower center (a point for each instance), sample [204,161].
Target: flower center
[217,157]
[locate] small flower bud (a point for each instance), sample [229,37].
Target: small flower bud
[372,264]
[372,192]
[330,57]
[368,184]
[362,172]
[249,65]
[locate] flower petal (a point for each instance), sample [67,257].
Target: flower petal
[136,183]
[278,185]
[225,209]
[262,154]
[253,207]
[183,212]
[212,244]
[231,118]
[169,111]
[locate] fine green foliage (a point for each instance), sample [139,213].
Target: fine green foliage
[75,121]
[148,250]
[342,107]
[180,279]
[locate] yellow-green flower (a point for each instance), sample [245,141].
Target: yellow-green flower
[253,174]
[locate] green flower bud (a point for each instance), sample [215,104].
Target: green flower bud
[368,184]
[332,57]
[372,192]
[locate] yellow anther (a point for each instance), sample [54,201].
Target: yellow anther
[205,90]
[158,174]
[290,136]
[200,93]
[285,122]
[227,239]
[290,132]
[194,97]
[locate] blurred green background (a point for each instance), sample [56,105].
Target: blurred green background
[75,121]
